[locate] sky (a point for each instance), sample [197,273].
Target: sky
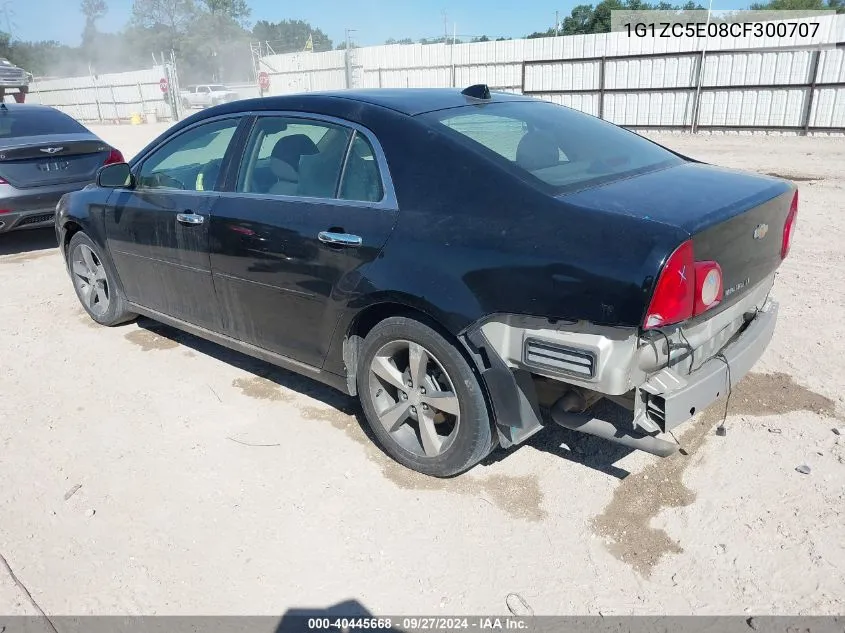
[374,20]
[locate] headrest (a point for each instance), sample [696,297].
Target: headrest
[536,151]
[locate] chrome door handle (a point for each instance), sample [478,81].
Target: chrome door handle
[339,239]
[189,218]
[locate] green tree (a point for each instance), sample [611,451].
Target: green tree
[173,15]
[237,10]
[588,18]
[800,5]
[93,10]
[290,36]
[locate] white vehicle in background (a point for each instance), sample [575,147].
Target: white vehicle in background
[207,95]
[14,79]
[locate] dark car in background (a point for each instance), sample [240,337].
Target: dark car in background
[469,264]
[44,154]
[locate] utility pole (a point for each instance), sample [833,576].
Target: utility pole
[350,61]
[557,24]
[445,28]
[8,19]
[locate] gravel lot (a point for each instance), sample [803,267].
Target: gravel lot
[180,513]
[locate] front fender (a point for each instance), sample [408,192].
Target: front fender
[86,209]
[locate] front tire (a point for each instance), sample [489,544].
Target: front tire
[94,283]
[421,399]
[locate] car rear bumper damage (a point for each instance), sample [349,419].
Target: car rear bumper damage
[534,371]
[670,397]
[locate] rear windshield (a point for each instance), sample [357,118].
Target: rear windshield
[562,148]
[36,122]
[218,88]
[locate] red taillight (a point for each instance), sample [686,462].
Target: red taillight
[674,297]
[789,227]
[708,286]
[3,181]
[685,288]
[5,210]
[114,157]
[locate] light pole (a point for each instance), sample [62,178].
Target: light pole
[7,13]
[696,107]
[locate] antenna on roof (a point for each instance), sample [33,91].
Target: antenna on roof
[478,91]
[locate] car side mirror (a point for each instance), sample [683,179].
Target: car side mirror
[115,176]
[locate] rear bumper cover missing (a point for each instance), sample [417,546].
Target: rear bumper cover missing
[680,396]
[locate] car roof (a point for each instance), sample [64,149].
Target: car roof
[414,101]
[29,106]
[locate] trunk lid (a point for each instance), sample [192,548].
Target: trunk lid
[35,161]
[735,219]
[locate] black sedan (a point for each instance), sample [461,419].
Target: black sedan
[44,154]
[468,264]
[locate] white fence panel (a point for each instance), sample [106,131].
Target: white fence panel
[649,108]
[114,96]
[574,75]
[565,70]
[763,108]
[658,72]
[828,108]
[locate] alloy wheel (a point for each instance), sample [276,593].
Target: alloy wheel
[414,398]
[89,277]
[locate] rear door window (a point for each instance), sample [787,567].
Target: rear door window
[361,177]
[289,156]
[36,121]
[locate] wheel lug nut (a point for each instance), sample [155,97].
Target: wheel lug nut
[425,407]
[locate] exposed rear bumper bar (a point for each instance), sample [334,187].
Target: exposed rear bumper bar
[680,397]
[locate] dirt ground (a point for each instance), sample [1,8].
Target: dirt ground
[146,471]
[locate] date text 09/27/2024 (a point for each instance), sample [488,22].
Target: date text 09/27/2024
[721,29]
[484,623]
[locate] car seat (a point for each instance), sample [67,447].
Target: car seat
[285,159]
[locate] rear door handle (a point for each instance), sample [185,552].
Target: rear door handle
[189,218]
[339,239]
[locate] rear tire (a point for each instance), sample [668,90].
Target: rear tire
[94,281]
[421,399]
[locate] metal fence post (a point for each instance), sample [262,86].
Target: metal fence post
[97,99]
[114,103]
[601,87]
[811,91]
[141,98]
[696,104]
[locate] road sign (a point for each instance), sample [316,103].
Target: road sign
[164,85]
[263,81]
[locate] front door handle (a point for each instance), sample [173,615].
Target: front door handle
[189,218]
[339,239]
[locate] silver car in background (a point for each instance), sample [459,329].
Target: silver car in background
[44,154]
